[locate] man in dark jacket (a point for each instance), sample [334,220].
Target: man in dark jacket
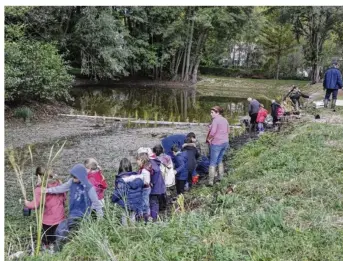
[332,82]
[254,107]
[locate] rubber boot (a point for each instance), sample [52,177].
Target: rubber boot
[326,101]
[333,105]
[220,171]
[211,175]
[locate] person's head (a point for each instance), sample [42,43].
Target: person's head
[125,166]
[334,64]
[192,136]
[188,140]
[261,105]
[249,99]
[175,149]
[143,160]
[273,101]
[158,149]
[40,172]
[79,174]
[91,164]
[148,151]
[216,110]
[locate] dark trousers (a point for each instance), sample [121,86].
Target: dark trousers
[162,202]
[154,206]
[253,118]
[180,186]
[190,176]
[328,94]
[49,234]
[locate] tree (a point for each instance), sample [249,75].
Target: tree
[314,23]
[33,69]
[277,40]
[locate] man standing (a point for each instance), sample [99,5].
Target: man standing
[332,82]
[254,107]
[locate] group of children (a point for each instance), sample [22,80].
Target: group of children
[141,194]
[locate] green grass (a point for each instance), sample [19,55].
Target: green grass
[243,88]
[287,205]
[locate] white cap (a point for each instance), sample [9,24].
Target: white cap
[249,99]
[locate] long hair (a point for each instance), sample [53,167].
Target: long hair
[125,166]
[144,158]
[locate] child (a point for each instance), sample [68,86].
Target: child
[158,188]
[53,207]
[192,155]
[167,168]
[145,169]
[261,117]
[96,178]
[194,140]
[82,196]
[181,170]
[128,194]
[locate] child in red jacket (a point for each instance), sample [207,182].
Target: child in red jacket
[261,117]
[96,178]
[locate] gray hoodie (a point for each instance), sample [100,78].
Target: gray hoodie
[82,195]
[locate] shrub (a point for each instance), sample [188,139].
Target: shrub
[35,71]
[23,112]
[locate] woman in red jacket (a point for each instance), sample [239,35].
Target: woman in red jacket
[261,117]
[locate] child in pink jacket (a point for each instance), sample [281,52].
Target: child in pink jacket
[261,117]
[53,207]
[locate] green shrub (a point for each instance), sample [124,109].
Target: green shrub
[35,71]
[23,112]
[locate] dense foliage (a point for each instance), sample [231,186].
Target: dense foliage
[168,43]
[34,70]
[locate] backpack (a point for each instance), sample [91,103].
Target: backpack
[168,175]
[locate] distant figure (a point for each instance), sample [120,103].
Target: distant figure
[294,94]
[261,117]
[332,82]
[275,108]
[254,107]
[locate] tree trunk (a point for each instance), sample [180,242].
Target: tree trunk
[277,67]
[177,65]
[189,52]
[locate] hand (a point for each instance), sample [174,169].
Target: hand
[26,202]
[175,172]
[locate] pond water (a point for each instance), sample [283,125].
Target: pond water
[156,103]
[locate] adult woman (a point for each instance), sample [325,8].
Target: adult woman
[218,138]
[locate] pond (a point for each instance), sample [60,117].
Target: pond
[156,103]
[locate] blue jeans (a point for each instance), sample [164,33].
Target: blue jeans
[334,94]
[146,204]
[217,153]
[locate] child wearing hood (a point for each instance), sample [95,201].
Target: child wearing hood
[53,207]
[82,198]
[128,194]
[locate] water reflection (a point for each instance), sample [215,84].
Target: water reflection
[159,104]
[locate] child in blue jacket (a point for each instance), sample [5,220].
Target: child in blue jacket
[181,169]
[128,192]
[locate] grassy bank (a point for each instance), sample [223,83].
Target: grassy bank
[287,205]
[242,87]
